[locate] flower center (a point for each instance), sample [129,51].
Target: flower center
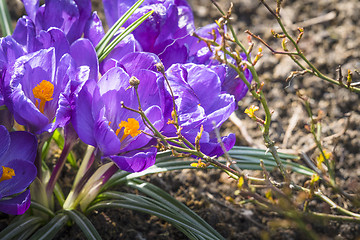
[43,91]
[131,127]
[7,173]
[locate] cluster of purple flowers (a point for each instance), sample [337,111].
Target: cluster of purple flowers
[51,78]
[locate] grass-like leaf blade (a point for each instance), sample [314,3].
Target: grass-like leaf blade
[102,55]
[59,194]
[19,227]
[48,231]
[172,204]
[25,235]
[245,157]
[117,25]
[5,20]
[42,208]
[84,223]
[146,205]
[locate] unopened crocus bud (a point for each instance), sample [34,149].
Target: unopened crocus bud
[134,81]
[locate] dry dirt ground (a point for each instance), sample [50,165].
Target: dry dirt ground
[331,38]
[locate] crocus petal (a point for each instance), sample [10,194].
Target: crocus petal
[77,29]
[111,10]
[59,14]
[17,205]
[135,161]
[22,77]
[114,79]
[65,70]
[149,89]
[149,30]
[23,146]
[135,61]
[190,111]
[56,38]
[94,30]
[204,82]
[219,112]
[82,118]
[107,141]
[154,114]
[170,20]
[232,84]
[25,113]
[25,34]
[11,50]
[213,148]
[185,18]
[168,57]
[4,140]
[77,50]
[31,6]
[25,173]
[127,45]
[169,27]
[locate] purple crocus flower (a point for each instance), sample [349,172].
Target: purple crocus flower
[70,16]
[126,46]
[168,34]
[34,83]
[200,102]
[171,19]
[231,83]
[17,171]
[199,53]
[120,134]
[10,50]
[94,30]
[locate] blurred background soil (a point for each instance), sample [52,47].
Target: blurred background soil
[331,38]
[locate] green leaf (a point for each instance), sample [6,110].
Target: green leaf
[19,227]
[173,205]
[102,55]
[161,199]
[59,194]
[245,157]
[112,31]
[146,205]
[48,231]
[28,233]
[42,208]
[247,163]
[5,21]
[84,223]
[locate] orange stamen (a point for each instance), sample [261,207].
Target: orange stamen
[7,173]
[131,127]
[43,91]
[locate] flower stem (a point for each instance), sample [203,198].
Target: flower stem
[84,167]
[58,167]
